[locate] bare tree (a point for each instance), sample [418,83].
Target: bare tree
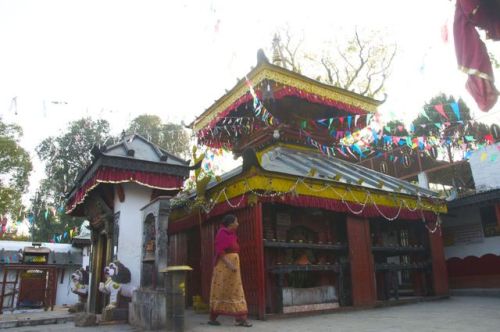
[361,64]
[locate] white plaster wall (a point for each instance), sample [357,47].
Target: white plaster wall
[490,245]
[486,173]
[11,276]
[86,257]
[56,247]
[64,294]
[130,237]
[467,216]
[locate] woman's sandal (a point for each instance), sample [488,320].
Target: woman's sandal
[213,322]
[244,323]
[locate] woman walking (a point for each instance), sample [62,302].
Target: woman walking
[226,293]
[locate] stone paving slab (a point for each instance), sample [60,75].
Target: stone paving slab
[456,314]
[34,317]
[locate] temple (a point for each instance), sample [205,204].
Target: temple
[122,181]
[317,231]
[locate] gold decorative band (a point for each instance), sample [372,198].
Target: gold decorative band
[351,194]
[291,79]
[476,72]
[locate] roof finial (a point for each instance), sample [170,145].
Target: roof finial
[261,57]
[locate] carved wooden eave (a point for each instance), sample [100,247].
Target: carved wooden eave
[130,164]
[283,175]
[132,160]
[268,72]
[98,211]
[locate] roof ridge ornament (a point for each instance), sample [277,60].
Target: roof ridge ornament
[261,57]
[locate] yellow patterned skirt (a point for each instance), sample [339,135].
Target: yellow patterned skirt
[226,293]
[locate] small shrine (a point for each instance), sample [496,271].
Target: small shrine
[317,231]
[35,275]
[128,251]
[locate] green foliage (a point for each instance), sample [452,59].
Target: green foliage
[397,128]
[15,167]
[65,156]
[426,126]
[169,136]
[14,237]
[69,153]
[48,215]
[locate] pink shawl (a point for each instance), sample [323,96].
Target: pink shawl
[472,55]
[226,241]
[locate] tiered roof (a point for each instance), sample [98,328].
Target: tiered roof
[132,159]
[287,97]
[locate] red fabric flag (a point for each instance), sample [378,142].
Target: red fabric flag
[472,56]
[341,119]
[440,109]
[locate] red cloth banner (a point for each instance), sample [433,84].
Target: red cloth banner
[117,175]
[369,211]
[472,56]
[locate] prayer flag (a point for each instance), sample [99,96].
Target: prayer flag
[454,107]
[440,109]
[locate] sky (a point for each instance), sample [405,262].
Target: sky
[62,60]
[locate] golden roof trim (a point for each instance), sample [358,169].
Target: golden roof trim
[285,77]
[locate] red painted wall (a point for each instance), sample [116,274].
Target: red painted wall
[251,256]
[364,292]
[474,272]
[439,271]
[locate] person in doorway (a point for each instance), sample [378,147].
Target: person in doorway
[226,292]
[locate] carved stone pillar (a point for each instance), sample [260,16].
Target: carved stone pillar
[149,302]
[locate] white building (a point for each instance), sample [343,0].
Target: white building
[65,257]
[471,231]
[122,179]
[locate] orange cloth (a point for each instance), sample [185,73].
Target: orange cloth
[226,293]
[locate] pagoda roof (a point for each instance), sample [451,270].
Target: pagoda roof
[132,159]
[293,84]
[136,147]
[310,164]
[305,177]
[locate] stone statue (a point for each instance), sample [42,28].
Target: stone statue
[79,286]
[117,278]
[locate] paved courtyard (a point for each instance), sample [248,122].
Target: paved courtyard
[456,314]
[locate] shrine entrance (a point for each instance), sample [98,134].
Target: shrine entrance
[101,256]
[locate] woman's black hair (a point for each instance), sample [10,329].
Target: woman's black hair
[228,219]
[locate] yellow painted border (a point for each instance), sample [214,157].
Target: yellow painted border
[255,180]
[285,77]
